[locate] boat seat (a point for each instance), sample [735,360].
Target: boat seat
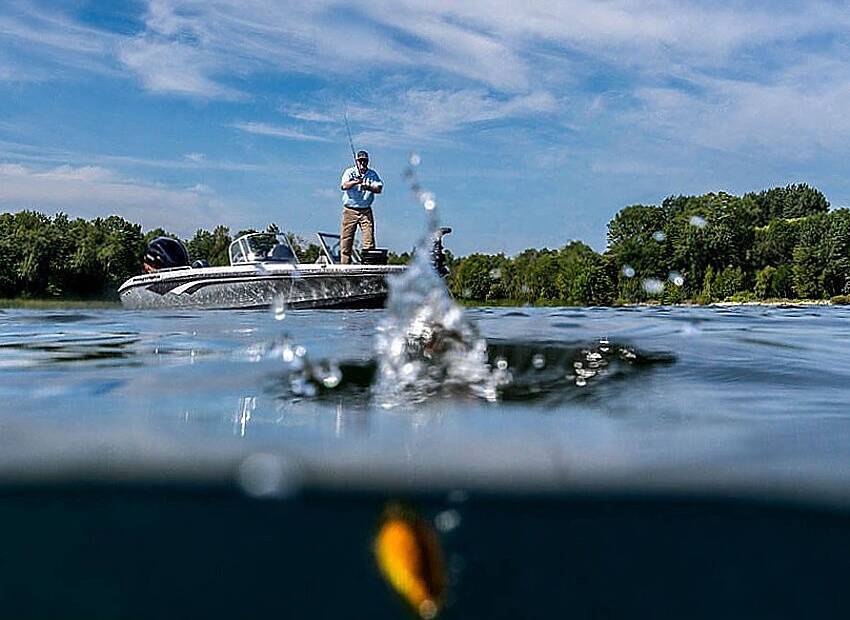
[282,253]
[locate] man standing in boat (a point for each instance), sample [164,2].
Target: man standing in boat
[359,186]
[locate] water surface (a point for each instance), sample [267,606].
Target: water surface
[753,390]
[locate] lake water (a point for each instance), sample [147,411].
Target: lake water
[719,392]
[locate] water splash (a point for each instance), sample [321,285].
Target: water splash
[425,346]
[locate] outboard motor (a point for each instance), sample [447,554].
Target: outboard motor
[438,255]
[165,253]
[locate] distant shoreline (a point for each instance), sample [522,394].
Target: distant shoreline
[57,304]
[70,304]
[775,303]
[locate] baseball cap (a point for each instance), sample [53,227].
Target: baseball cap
[362,155]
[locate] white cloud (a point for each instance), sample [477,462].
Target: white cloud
[39,40]
[191,161]
[495,45]
[310,115]
[325,192]
[172,67]
[794,115]
[92,191]
[276,131]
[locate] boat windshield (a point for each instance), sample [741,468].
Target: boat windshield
[262,247]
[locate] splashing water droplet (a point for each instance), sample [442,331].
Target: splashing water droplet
[414,159]
[333,376]
[539,361]
[697,221]
[279,307]
[429,205]
[676,278]
[502,363]
[659,236]
[628,271]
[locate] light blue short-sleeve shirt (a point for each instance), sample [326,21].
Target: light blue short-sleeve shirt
[356,198]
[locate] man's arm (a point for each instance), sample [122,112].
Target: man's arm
[376,186]
[347,182]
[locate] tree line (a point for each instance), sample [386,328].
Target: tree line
[779,243]
[59,257]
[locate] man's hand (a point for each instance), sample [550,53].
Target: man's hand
[352,182]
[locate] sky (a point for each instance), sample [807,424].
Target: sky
[535,122]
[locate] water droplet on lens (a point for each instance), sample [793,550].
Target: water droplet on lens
[652,286]
[676,278]
[659,235]
[458,496]
[539,361]
[447,520]
[697,221]
[628,271]
[264,475]
[428,609]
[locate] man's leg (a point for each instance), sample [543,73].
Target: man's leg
[346,235]
[367,225]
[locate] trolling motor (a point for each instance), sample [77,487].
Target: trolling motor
[438,254]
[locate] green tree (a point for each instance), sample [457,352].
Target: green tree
[792,201]
[822,256]
[212,246]
[479,276]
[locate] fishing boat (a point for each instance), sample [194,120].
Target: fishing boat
[264,269]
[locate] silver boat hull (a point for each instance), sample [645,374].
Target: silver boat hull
[259,286]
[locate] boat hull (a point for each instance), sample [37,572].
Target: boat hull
[259,287]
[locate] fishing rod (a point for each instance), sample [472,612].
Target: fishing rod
[350,141]
[351,145]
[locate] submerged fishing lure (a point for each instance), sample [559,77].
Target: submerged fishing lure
[409,556]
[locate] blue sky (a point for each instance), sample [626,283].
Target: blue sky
[535,121]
